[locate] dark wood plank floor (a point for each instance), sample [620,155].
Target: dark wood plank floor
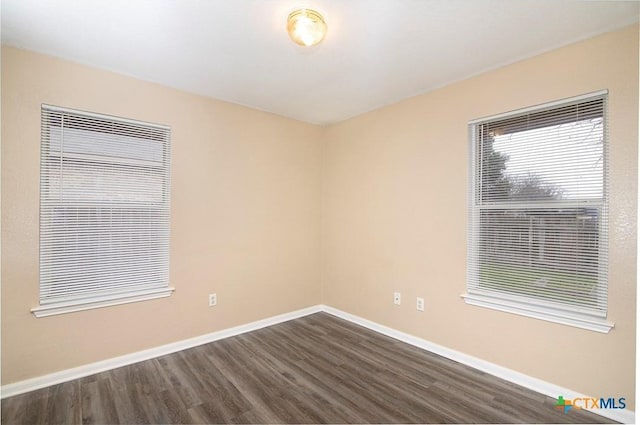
[316,369]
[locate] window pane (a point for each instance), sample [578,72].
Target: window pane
[554,163]
[548,254]
[103,250]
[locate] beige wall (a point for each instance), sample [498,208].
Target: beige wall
[276,215]
[245,216]
[395,214]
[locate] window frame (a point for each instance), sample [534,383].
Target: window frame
[56,200]
[521,304]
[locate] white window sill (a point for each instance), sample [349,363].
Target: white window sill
[99,302]
[538,312]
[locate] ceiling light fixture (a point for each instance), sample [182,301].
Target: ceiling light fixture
[306,27]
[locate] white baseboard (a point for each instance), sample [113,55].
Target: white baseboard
[551,390]
[104,365]
[537,385]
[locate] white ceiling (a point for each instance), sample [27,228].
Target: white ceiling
[376,52]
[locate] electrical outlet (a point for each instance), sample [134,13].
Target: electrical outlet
[213,300]
[396,298]
[420,304]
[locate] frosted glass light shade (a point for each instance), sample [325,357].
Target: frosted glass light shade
[306,27]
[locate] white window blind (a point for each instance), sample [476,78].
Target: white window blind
[537,242]
[104,210]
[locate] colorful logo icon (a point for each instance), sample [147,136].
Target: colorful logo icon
[562,404]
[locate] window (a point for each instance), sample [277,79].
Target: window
[104,211]
[537,240]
